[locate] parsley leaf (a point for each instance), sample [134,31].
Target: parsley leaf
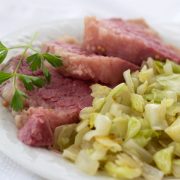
[54,60]
[34,61]
[31,81]
[47,74]
[3,52]
[37,81]
[5,76]
[27,82]
[17,102]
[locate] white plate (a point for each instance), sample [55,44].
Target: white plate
[41,161]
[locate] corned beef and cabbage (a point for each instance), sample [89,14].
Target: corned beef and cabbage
[114,104]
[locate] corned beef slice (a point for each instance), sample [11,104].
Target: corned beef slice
[131,40]
[61,103]
[77,63]
[55,104]
[38,130]
[64,93]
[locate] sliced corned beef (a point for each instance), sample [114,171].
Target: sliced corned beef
[62,92]
[131,40]
[77,63]
[39,128]
[58,103]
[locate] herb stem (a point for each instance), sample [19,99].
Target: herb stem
[23,47]
[17,47]
[17,67]
[35,62]
[28,46]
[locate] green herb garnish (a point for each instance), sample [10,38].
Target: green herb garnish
[35,62]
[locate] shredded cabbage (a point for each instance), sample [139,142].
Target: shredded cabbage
[110,144]
[64,136]
[168,69]
[152,173]
[134,126]
[144,136]
[119,126]
[163,159]
[131,147]
[86,163]
[128,80]
[174,129]
[170,82]
[122,171]
[137,102]
[131,131]
[99,152]
[99,91]
[155,114]
[146,74]
[71,152]
[176,148]
[176,168]
[142,88]
[102,127]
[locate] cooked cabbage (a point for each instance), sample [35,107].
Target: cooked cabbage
[142,88]
[144,136]
[64,136]
[86,163]
[137,102]
[176,168]
[99,91]
[146,74]
[131,131]
[119,126]
[134,126]
[176,148]
[128,80]
[174,129]
[110,144]
[102,127]
[131,147]
[71,152]
[152,173]
[155,114]
[122,171]
[170,82]
[163,159]
[99,152]
[168,69]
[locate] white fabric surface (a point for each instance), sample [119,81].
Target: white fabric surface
[16,14]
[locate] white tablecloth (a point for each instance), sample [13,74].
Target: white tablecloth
[15,14]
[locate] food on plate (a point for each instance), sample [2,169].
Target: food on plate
[110,103]
[131,130]
[131,40]
[78,63]
[27,78]
[57,103]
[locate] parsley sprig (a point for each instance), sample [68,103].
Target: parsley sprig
[35,62]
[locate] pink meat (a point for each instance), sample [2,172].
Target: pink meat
[55,104]
[77,63]
[130,40]
[61,103]
[62,92]
[38,130]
